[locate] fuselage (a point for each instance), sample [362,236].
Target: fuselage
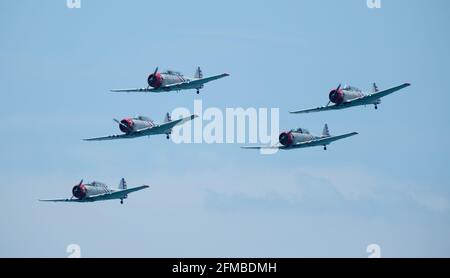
[83,191]
[341,95]
[163,79]
[292,137]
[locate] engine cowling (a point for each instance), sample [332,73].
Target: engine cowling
[336,96]
[79,191]
[155,80]
[286,139]
[126,125]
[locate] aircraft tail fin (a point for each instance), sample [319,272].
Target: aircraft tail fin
[198,73]
[123,184]
[167,118]
[326,131]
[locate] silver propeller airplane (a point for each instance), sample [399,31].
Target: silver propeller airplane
[173,81]
[143,126]
[301,138]
[349,96]
[98,191]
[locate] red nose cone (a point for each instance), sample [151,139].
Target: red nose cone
[286,139]
[155,80]
[336,96]
[79,191]
[126,125]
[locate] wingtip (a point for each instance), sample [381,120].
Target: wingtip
[118,91]
[250,148]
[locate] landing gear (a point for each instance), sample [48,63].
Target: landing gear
[121,201]
[376,107]
[167,136]
[198,91]
[325,148]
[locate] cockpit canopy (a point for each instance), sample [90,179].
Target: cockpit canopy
[144,118]
[351,88]
[300,130]
[172,72]
[98,184]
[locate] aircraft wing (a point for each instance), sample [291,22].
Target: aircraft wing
[159,129]
[115,195]
[330,107]
[162,128]
[62,200]
[144,90]
[321,142]
[319,109]
[313,143]
[261,147]
[192,84]
[368,99]
[114,137]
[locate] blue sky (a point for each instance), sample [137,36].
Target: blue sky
[389,185]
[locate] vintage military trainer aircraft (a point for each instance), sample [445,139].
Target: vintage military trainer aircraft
[173,81]
[98,191]
[301,138]
[144,126]
[348,96]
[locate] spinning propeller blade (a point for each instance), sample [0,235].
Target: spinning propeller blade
[153,75]
[120,123]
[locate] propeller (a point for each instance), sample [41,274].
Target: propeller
[152,76]
[76,186]
[333,92]
[120,123]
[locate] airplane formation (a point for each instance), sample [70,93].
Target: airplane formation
[342,97]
